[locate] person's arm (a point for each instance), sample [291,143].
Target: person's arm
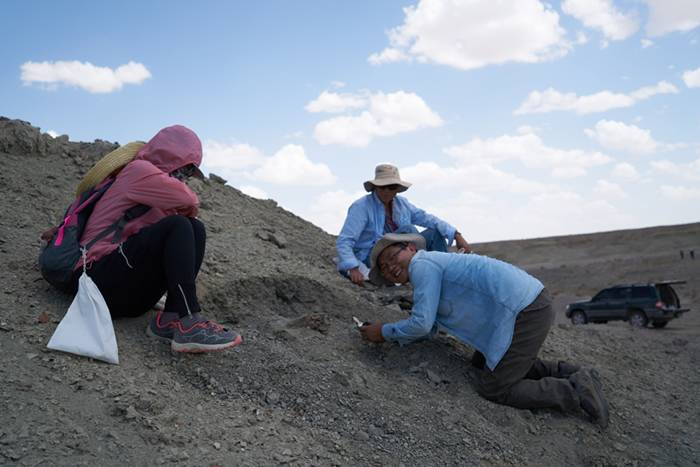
[426,278]
[424,219]
[461,243]
[355,223]
[152,187]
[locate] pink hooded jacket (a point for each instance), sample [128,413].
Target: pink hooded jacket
[146,180]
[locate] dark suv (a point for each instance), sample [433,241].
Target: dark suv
[638,304]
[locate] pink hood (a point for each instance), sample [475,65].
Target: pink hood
[146,180]
[172,148]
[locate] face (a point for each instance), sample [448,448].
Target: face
[394,260]
[387,193]
[183,173]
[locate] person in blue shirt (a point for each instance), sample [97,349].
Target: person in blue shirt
[498,309]
[380,212]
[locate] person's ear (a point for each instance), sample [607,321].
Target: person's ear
[412,247]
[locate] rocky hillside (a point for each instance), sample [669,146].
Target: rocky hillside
[303,389]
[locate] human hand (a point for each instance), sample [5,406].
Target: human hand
[462,244]
[372,332]
[356,276]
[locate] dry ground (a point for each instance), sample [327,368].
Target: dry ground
[303,389]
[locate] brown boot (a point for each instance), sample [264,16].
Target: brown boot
[590,393]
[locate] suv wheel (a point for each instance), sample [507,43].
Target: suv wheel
[578,317]
[637,319]
[659,324]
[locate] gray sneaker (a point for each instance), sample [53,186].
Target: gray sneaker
[590,392]
[196,334]
[159,329]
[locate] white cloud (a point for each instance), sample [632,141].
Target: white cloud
[387,115]
[691,78]
[329,209]
[662,87]
[680,193]
[478,176]
[254,192]
[529,149]
[476,33]
[609,190]
[554,211]
[646,43]
[625,171]
[234,156]
[551,100]
[333,102]
[665,168]
[85,75]
[52,134]
[602,15]
[622,137]
[667,16]
[388,55]
[290,166]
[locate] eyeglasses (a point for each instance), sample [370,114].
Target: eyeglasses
[390,259]
[393,187]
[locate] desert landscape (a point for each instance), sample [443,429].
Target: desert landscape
[303,388]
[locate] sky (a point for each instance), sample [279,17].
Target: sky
[512,118]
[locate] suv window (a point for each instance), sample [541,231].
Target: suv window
[643,292]
[611,294]
[668,295]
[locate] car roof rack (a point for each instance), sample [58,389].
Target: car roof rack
[646,284]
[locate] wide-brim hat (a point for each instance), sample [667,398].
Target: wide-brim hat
[115,160]
[375,275]
[386,174]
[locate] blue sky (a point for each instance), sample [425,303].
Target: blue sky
[513,118]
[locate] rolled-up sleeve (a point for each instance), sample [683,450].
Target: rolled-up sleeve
[355,223]
[426,278]
[422,218]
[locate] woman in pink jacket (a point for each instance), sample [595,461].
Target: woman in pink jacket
[159,251]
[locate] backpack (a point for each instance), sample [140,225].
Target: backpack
[63,250]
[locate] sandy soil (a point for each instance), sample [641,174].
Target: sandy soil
[303,389]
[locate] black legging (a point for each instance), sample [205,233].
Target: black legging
[165,256]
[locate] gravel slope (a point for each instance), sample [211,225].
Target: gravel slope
[303,389]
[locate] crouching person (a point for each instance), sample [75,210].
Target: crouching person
[161,249]
[495,307]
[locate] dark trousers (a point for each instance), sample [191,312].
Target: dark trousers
[165,256]
[521,379]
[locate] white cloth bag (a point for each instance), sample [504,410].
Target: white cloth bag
[87,327]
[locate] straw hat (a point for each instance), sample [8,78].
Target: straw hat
[113,161]
[375,275]
[386,174]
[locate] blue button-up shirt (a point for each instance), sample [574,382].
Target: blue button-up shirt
[364,226]
[474,298]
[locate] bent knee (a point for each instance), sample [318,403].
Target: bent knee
[197,225]
[492,390]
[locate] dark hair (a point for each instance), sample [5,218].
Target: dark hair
[184,172]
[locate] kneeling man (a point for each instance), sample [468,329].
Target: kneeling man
[500,310]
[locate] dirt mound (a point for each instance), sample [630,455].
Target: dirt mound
[303,388]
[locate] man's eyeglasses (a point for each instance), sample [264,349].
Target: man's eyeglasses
[391,258]
[392,187]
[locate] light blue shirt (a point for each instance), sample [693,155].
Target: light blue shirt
[364,225]
[474,298]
